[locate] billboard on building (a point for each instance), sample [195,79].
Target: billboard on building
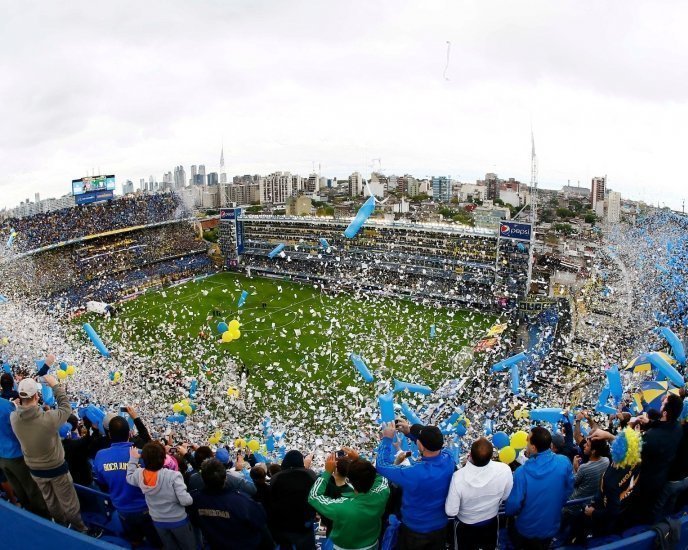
[515,230]
[92,184]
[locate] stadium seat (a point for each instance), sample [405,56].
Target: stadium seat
[97,510]
[597,542]
[636,529]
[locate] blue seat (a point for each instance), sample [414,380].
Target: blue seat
[97,510]
[601,541]
[635,530]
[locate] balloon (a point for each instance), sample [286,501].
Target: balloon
[61,374]
[361,367]
[386,402]
[177,407]
[187,410]
[361,216]
[70,370]
[519,440]
[276,251]
[253,445]
[675,343]
[410,414]
[63,365]
[222,327]
[240,443]
[507,455]
[500,440]
[234,324]
[236,334]
[506,363]
[97,342]
[417,388]
[227,337]
[550,414]
[242,298]
[232,392]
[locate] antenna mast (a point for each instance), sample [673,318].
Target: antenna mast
[533,180]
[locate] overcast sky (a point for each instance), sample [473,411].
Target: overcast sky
[135,88]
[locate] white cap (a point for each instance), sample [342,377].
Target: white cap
[27,388]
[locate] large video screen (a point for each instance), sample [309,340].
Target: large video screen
[95,183]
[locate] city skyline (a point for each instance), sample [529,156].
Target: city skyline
[347,84]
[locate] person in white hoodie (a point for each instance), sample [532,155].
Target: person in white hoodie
[475,494]
[166,496]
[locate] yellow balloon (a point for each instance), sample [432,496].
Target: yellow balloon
[236,333]
[253,445]
[4,341]
[240,443]
[507,455]
[234,324]
[519,440]
[70,369]
[117,376]
[213,440]
[227,336]
[232,392]
[187,410]
[61,374]
[177,407]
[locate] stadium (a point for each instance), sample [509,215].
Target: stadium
[332,335]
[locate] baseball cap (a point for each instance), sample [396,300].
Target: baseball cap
[27,388]
[222,455]
[106,420]
[430,436]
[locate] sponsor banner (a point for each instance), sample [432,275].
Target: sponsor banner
[240,238]
[515,230]
[95,196]
[228,213]
[533,306]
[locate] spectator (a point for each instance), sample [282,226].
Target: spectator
[228,518]
[475,493]
[7,385]
[677,486]
[427,482]
[13,465]
[587,476]
[541,487]
[76,454]
[166,496]
[357,518]
[111,475]
[36,430]
[617,506]
[200,455]
[259,475]
[337,487]
[660,443]
[291,517]
[234,482]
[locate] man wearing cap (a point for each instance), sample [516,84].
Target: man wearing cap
[37,432]
[424,485]
[12,463]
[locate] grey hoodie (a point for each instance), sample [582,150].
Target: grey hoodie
[167,498]
[36,431]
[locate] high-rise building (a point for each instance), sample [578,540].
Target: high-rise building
[614,207]
[597,193]
[441,189]
[492,184]
[192,174]
[223,174]
[312,184]
[275,188]
[128,188]
[355,184]
[179,177]
[201,169]
[142,184]
[212,178]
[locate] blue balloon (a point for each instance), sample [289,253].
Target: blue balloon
[48,396]
[276,251]
[363,214]
[242,298]
[666,369]
[506,363]
[614,378]
[361,367]
[97,342]
[676,344]
[410,414]
[386,402]
[432,331]
[177,418]
[414,388]
[551,415]
[222,327]
[500,440]
[515,379]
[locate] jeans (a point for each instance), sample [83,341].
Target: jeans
[667,500]
[139,526]
[410,540]
[28,493]
[60,498]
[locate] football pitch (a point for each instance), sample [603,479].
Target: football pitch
[292,359]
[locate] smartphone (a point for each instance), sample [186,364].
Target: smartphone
[408,454]
[122,409]
[340,453]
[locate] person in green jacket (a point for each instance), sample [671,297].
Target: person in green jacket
[356,517]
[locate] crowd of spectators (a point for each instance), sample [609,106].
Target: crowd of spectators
[177,494]
[58,226]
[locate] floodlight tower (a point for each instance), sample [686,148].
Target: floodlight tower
[533,181]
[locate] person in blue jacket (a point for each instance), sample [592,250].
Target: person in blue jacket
[424,485]
[111,475]
[16,470]
[541,488]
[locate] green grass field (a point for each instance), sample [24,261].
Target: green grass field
[297,347]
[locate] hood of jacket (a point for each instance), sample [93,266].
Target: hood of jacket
[480,476]
[163,475]
[541,465]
